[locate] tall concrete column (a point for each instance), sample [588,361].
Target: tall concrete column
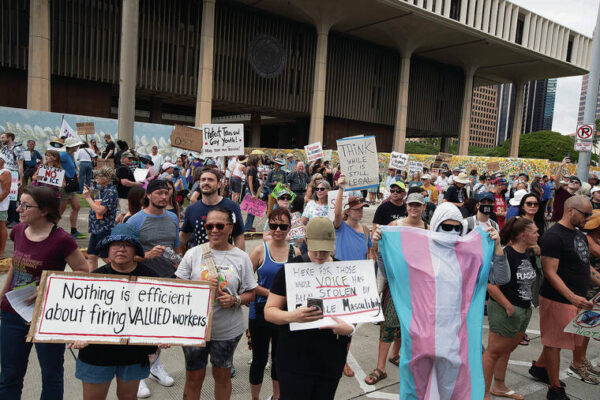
[465,119]
[255,130]
[128,69]
[205,70]
[402,107]
[317,113]
[517,119]
[38,69]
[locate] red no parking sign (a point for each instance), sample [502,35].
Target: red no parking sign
[585,132]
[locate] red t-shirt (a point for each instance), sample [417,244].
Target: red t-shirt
[500,205]
[30,259]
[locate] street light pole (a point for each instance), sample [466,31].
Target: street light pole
[591,99]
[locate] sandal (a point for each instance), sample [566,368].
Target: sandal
[375,376]
[395,360]
[511,394]
[348,371]
[525,341]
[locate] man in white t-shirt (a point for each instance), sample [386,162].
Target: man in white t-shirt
[157,159]
[84,157]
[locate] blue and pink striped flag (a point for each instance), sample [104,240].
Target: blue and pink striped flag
[438,283]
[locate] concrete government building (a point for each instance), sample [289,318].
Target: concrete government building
[295,72]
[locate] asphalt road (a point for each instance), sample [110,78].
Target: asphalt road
[363,358]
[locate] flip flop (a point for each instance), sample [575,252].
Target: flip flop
[511,394]
[376,376]
[395,360]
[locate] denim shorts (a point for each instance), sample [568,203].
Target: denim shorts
[89,373]
[221,354]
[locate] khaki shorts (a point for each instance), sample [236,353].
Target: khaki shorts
[554,317]
[502,324]
[64,195]
[3,215]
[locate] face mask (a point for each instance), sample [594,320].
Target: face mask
[486,209]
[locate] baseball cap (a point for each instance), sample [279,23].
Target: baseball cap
[398,184]
[575,178]
[356,203]
[500,182]
[282,193]
[595,189]
[320,234]
[415,198]
[485,196]
[167,165]
[426,176]
[127,154]
[157,184]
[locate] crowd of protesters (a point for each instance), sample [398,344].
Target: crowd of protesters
[182,220]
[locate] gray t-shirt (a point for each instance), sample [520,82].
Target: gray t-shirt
[236,275]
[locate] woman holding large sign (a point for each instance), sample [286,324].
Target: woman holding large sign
[39,245]
[265,262]
[97,364]
[52,160]
[229,269]
[309,362]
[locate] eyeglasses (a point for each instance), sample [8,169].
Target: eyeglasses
[25,206]
[282,227]
[320,189]
[220,227]
[288,198]
[585,214]
[450,227]
[396,190]
[532,204]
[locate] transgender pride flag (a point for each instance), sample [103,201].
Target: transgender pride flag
[438,283]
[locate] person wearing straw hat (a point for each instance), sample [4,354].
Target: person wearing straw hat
[67,196]
[290,162]
[456,192]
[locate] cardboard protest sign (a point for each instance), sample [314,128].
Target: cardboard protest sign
[327,154]
[347,288]
[253,206]
[493,167]
[100,163]
[117,309]
[358,161]
[587,322]
[223,139]
[51,176]
[298,229]
[414,167]
[140,174]
[313,151]
[186,137]
[13,195]
[279,187]
[85,128]
[398,161]
[331,198]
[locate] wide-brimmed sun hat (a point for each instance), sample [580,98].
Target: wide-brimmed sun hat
[123,233]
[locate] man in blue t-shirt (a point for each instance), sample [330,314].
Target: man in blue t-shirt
[67,161]
[192,231]
[31,159]
[352,239]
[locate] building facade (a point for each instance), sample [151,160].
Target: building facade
[484,117]
[582,97]
[292,72]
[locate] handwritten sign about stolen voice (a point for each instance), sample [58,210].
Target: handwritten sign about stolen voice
[112,309]
[348,290]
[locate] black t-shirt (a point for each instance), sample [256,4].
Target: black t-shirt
[454,194]
[522,277]
[388,212]
[110,146]
[123,172]
[252,172]
[315,352]
[595,206]
[109,354]
[571,249]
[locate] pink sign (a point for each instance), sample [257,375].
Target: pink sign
[253,206]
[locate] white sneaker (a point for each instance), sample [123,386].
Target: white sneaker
[143,390]
[161,376]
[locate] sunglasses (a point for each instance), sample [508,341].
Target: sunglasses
[210,227]
[282,227]
[450,227]
[288,198]
[532,203]
[320,189]
[396,190]
[585,214]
